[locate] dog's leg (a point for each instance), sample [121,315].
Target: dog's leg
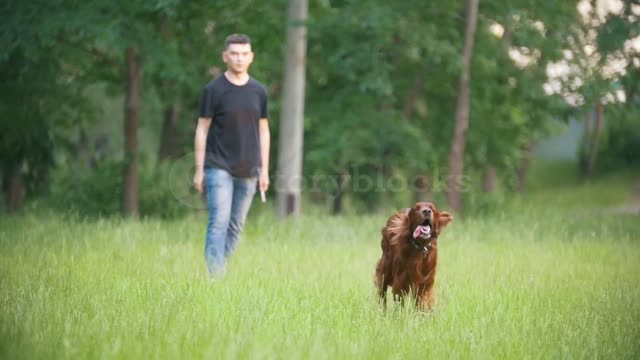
[382,289]
[382,294]
[427,299]
[382,280]
[399,293]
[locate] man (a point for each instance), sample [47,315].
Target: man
[231,150]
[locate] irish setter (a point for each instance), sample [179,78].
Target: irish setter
[410,253]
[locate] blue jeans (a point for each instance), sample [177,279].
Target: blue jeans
[229,199]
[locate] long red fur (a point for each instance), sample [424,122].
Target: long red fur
[402,266]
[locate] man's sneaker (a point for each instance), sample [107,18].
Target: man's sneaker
[216,276]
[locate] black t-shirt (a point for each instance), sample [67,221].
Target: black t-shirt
[233,141]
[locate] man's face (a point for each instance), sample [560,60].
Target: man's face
[238,57]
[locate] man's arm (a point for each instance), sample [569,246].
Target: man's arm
[265,143]
[200,146]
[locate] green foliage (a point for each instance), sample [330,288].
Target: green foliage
[158,198]
[51,50]
[617,29]
[366,78]
[358,86]
[98,192]
[619,145]
[365,157]
[482,203]
[88,193]
[381,91]
[41,92]
[509,106]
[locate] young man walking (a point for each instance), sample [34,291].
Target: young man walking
[231,150]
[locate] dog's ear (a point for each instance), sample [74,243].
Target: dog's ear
[397,227]
[444,218]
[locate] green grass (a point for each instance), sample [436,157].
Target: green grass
[561,185]
[537,281]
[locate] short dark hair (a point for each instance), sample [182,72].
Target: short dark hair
[236,39]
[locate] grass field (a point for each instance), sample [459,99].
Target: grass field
[537,280]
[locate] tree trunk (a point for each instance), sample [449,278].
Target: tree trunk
[587,124]
[101,147]
[456,153]
[336,205]
[84,151]
[407,109]
[16,192]
[5,180]
[490,180]
[422,188]
[130,176]
[522,173]
[596,139]
[421,182]
[13,188]
[291,128]
[342,181]
[169,139]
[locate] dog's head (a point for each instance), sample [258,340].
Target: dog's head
[426,222]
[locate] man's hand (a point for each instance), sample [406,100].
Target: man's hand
[263,181]
[198,181]
[199,147]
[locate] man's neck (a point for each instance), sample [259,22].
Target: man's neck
[237,78]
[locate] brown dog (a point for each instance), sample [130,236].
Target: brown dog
[410,253]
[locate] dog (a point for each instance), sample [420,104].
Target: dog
[410,254]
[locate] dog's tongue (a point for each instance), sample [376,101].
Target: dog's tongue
[422,231]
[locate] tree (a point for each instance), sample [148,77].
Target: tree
[40,93]
[456,154]
[122,37]
[50,51]
[382,89]
[130,175]
[291,135]
[601,60]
